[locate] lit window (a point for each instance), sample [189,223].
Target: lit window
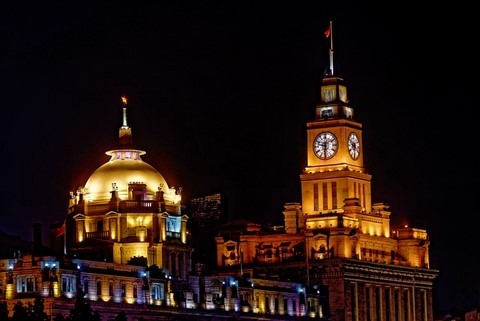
[326,112]
[99,287]
[124,290]
[157,291]
[25,283]
[68,283]
[329,94]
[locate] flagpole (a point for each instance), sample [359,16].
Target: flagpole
[331,48]
[64,237]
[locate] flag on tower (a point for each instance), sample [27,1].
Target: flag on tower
[328,31]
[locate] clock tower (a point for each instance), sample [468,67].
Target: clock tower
[335,169]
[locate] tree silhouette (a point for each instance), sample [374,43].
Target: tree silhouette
[121,316]
[82,310]
[3,311]
[36,311]
[59,317]
[19,312]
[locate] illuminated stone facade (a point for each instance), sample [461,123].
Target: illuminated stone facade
[126,211]
[336,240]
[124,244]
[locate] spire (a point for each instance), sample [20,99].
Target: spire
[329,34]
[125,148]
[124,101]
[125,133]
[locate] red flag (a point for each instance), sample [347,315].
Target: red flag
[60,230]
[327,32]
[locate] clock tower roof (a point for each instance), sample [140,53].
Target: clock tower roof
[333,91]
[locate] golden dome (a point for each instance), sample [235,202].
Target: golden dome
[125,167]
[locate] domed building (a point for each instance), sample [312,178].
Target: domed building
[126,213]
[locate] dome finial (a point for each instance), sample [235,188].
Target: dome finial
[125,132]
[124,101]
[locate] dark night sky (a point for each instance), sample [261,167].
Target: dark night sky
[219,96]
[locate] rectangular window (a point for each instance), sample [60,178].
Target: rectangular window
[405,306]
[326,112]
[68,283]
[367,304]
[99,287]
[315,197]
[135,289]
[85,286]
[334,195]
[285,304]
[396,298]
[157,291]
[124,290]
[423,305]
[363,195]
[354,298]
[388,305]
[325,196]
[25,283]
[378,303]
[110,288]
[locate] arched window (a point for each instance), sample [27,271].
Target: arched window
[110,288]
[135,290]
[99,287]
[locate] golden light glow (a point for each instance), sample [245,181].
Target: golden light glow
[9,293]
[124,99]
[56,289]
[142,235]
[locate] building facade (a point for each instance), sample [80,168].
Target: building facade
[336,240]
[125,243]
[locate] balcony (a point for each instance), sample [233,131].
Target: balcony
[138,206]
[123,206]
[98,235]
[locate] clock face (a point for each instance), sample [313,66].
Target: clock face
[325,145]
[353,146]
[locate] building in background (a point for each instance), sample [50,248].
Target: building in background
[205,215]
[12,246]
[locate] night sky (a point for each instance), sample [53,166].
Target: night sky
[219,96]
